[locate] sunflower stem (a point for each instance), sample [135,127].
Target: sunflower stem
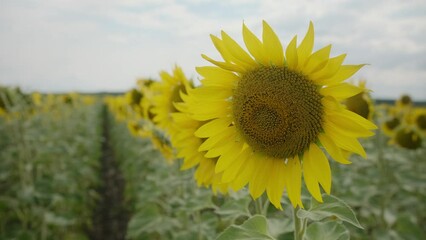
[265,206]
[258,206]
[299,229]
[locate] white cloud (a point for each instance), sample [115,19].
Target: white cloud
[88,45]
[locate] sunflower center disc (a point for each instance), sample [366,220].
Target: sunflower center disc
[358,105]
[278,111]
[421,122]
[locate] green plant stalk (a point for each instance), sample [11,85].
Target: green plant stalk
[385,178]
[299,225]
[258,205]
[265,206]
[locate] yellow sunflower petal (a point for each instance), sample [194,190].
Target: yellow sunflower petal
[333,65]
[291,53]
[226,159]
[322,168]
[245,174]
[272,46]
[221,48]
[353,117]
[211,128]
[309,176]
[276,183]
[210,110]
[305,48]
[224,148]
[225,65]
[191,161]
[341,91]
[215,76]
[293,178]
[345,142]
[259,181]
[345,72]
[237,52]
[229,173]
[210,93]
[317,60]
[254,46]
[228,133]
[349,127]
[334,151]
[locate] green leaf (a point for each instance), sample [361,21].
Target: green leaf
[327,231]
[279,226]
[331,207]
[254,228]
[407,227]
[235,207]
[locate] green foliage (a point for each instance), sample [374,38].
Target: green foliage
[48,171]
[327,231]
[254,228]
[332,207]
[387,191]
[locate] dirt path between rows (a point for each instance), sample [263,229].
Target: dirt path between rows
[110,217]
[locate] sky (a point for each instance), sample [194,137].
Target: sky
[91,45]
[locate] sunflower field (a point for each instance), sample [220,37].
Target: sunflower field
[275,142]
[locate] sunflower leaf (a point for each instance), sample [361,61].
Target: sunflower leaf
[331,207]
[253,228]
[331,230]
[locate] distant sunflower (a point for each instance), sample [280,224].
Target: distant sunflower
[162,144]
[404,101]
[165,94]
[144,86]
[139,128]
[390,125]
[269,113]
[187,146]
[36,98]
[420,119]
[361,103]
[407,137]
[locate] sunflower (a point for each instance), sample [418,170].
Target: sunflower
[404,101]
[407,137]
[361,103]
[270,114]
[145,103]
[187,145]
[133,97]
[390,125]
[36,98]
[420,119]
[165,94]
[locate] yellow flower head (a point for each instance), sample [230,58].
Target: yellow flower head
[270,114]
[139,129]
[147,102]
[67,99]
[390,125]
[133,97]
[36,98]
[404,101]
[420,119]
[162,144]
[407,137]
[187,146]
[165,94]
[361,103]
